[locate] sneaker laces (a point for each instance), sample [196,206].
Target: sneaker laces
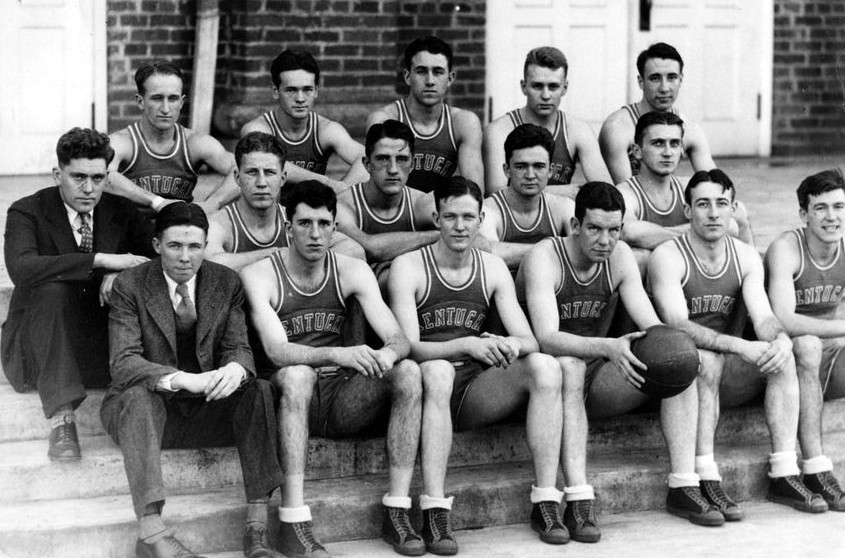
[795,483]
[830,483]
[694,494]
[401,522]
[442,527]
[306,536]
[550,512]
[583,511]
[180,551]
[717,495]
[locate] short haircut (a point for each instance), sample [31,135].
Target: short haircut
[455,187]
[312,193]
[546,57]
[659,50]
[147,69]
[83,143]
[528,135]
[431,44]
[293,60]
[656,118]
[180,214]
[392,129]
[716,176]
[598,195]
[262,143]
[818,184]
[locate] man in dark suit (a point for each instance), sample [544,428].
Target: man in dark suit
[64,246]
[183,376]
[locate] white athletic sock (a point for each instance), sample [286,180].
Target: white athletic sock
[545,494]
[294,515]
[403,502]
[428,503]
[705,466]
[817,464]
[783,464]
[681,480]
[61,417]
[582,492]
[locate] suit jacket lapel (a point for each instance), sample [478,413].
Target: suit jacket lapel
[59,229]
[159,305]
[208,306]
[106,232]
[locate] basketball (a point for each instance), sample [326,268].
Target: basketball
[672,360]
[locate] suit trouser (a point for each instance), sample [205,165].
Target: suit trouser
[143,423]
[64,337]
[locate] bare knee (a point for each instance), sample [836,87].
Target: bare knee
[295,382]
[405,379]
[710,369]
[808,356]
[545,372]
[572,371]
[438,379]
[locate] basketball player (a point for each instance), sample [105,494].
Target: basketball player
[522,214]
[700,282]
[309,139]
[571,286]
[448,138]
[298,299]
[156,158]
[654,198]
[383,215]
[806,279]
[544,84]
[441,295]
[660,73]
[253,227]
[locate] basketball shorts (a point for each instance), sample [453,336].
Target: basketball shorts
[466,372]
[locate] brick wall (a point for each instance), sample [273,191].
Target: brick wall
[358,44]
[809,43]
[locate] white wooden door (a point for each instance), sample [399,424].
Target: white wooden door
[593,34]
[52,63]
[727,50]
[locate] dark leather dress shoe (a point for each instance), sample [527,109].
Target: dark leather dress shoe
[168,547]
[64,443]
[256,544]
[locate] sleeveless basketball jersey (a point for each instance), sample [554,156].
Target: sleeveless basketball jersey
[307,151]
[711,299]
[562,165]
[447,311]
[582,305]
[818,289]
[244,241]
[670,217]
[633,111]
[543,226]
[435,155]
[169,175]
[312,319]
[371,223]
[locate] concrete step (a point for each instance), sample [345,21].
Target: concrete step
[21,418]
[770,530]
[344,509]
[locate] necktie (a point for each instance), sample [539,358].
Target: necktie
[186,312]
[86,243]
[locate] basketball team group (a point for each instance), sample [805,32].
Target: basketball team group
[453,278]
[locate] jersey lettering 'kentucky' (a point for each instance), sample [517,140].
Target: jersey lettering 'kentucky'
[711,299]
[448,311]
[818,288]
[562,165]
[306,152]
[311,318]
[170,175]
[435,155]
[583,306]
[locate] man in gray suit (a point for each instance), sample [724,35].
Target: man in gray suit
[183,376]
